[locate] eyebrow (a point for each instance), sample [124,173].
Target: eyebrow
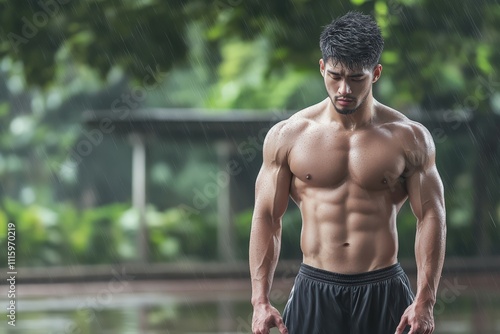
[355,75]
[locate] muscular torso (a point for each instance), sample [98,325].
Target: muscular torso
[349,186]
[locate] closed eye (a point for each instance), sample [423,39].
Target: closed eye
[356,77]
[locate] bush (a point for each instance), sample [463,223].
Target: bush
[64,235]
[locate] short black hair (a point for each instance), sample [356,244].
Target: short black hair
[353,40]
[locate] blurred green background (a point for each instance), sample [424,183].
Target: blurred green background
[60,58]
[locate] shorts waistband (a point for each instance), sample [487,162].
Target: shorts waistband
[351,279]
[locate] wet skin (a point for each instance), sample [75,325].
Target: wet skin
[349,163]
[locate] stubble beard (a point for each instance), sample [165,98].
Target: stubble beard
[348,111]
[345,111]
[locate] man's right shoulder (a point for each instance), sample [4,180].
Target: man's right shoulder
[282,136]
[293,126]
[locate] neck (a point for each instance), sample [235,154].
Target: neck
[361,117]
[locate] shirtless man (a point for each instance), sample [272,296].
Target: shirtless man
[349,163]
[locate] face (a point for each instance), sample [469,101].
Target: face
[348,89]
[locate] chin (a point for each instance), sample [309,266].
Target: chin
[345,111]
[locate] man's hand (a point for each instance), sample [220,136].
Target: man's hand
[266,317]
[419,317]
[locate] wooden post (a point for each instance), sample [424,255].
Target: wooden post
[139,192]
[225,229]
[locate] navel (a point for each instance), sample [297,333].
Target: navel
[384,180]
[345,244]
[308,176]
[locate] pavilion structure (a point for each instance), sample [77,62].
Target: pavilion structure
[221,129]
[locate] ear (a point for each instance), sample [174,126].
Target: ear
[377,72]
[322,67]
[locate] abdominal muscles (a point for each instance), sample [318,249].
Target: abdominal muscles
[348,230]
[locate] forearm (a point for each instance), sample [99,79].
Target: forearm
[429,255]
[265,242]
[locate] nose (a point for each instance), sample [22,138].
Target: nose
[344,88]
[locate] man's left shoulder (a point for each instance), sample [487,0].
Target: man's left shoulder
[407,131]
[414,139]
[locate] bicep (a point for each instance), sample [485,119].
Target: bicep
[272,186]
[272,189]
[425,193]
[424,185]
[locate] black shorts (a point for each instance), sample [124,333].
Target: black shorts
[325,302]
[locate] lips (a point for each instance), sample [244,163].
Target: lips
[344,101]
